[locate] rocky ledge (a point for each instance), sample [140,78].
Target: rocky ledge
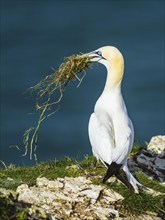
[78,198]
[70,198]
[151,160]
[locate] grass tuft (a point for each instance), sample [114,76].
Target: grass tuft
[155,185]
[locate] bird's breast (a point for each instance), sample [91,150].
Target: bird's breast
[111,110]
[111,105]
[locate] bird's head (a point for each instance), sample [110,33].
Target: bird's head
[112,59]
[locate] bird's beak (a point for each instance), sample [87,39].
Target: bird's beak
[95,57]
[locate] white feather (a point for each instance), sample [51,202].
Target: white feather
[110,129]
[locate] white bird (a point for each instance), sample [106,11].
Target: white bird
[110,129]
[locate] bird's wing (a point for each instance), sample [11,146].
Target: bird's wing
[106,145]
[102,139]
[123,143]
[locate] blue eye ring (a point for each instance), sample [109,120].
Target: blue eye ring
[99,53]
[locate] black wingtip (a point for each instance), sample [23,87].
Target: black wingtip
[113,169]
[122,176]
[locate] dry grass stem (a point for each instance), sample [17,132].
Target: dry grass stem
[66,72]
[46,88]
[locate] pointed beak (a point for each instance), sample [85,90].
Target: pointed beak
[95,57]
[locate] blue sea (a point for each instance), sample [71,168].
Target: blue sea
[37,35]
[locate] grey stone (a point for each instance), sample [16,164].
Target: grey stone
[160,163]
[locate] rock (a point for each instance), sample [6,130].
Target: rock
[49,183]
[152,166]
[65,196]
[26,195]
[93,192]
[33,195]
[132,164]
[157,144]
[111,195]
[160,163]
[41,181]
[71,198]
[144,160]
[77,184]
[113,213]
[151,160]
[103,213]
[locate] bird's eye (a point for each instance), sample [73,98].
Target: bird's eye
[99,53]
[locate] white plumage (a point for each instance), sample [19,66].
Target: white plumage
[111,131]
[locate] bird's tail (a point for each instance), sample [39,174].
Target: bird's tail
[113,169]
[128,179]
[124,175]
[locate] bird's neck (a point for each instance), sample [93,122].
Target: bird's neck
[115,72]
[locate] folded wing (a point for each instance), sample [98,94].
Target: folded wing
[101,138]
[104,146]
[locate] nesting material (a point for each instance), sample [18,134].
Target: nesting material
[66,72]
[71,67]
[50,91]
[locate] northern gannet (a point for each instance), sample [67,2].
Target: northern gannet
[110,129]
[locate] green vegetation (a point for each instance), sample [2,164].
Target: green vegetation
[136,148]
[132,205]
[137,204]
[12,176]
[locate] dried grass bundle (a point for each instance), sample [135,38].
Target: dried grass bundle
[60,78]
[46,88]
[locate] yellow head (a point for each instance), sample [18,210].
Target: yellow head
[113,60]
